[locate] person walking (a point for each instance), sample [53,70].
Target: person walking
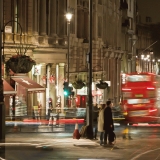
[49,115]
[108,122]
[101,123]
[95,111]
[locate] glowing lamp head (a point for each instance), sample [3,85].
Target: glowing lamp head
[68,17]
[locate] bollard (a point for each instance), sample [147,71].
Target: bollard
[15,128]
[76,134]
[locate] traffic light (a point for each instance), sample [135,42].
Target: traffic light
[65,89]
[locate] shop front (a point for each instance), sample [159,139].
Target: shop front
[28,95]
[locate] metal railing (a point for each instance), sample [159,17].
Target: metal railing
[56,121]
[61,120]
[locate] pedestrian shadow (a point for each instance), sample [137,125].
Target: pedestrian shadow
[112,147]
[85,146]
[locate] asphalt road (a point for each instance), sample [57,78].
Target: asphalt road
[140,143]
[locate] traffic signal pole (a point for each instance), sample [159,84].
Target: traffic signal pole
[89,130]
[2,109]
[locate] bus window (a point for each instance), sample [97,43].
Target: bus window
[138,78]
[137,101]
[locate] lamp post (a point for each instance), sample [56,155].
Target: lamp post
[13,104]
[151,54]
[68,17]
[89,105]
[142,58]
[2,109]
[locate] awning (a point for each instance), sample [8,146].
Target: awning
[7,89]
[28,83]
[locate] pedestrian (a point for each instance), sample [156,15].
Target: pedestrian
[95,120]
[101,123]
[50,102]
[49,115]
[108,122]
[39,109]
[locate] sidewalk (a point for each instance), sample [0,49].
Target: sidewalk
[62,146]
[65,147]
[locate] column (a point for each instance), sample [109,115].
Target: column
[42,96]
[53,18]
[80,23]
[62,22]
[48,86]
[35,22]
[35,15]
[24,16]
[30,100]
[42,18]
[60,83]
[52,89]
[20,14]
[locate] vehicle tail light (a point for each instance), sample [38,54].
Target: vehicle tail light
[152,110]
[126,89]
[150,88]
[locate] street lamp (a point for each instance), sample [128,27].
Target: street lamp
[2,109]
[68,17]
[151,53]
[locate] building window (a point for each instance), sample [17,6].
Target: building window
[100,2]
[148,19]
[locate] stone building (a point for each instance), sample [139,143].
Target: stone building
[44,29]
[147,27]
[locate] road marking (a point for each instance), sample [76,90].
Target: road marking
[139,155]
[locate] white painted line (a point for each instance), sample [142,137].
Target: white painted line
[139,155]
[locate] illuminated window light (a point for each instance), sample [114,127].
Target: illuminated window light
[126,89]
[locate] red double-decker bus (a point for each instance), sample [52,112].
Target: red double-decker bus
[140,97]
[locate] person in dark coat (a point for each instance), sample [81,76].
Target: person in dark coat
[49,115]
[108,121]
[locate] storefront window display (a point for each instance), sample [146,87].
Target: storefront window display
[20,106]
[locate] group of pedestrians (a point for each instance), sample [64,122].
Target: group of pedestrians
[105,123]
